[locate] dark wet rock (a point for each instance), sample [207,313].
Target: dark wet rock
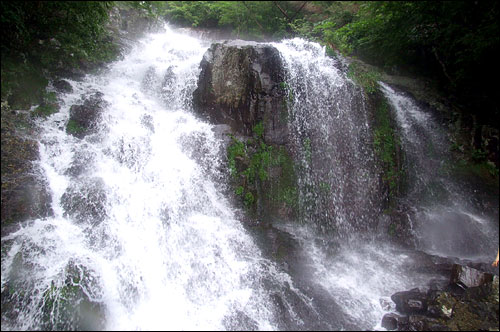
[469,277]
[168,85]
[412,301]
[82,162]
[63,86]
[387,304]
[84,119]
[85,201]
[150,81]
[472,308]
[147,122]
[239,85]
[25,194]
[239,321]
[438,284]
[390,321]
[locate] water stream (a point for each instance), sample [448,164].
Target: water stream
[449,219]
[144,236]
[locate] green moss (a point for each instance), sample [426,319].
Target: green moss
[258,130]
[23,82]
[250,164]
[45,110]
[392,229]
[387,145]
[239,190]
[307,150]
[486,171]
[74,128]
[365,78]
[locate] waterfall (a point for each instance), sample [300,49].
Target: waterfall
[330,131]
[161,247]
[143,236]
[447,220]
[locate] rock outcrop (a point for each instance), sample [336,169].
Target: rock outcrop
[241,85]
[468,302]
[84,119]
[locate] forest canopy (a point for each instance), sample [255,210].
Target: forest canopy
[453,42]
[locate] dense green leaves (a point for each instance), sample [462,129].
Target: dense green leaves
[43,37]
[30,21]
[454,41]
[244,18]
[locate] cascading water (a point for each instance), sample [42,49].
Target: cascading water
[143,237]
[447,219]
[330,131]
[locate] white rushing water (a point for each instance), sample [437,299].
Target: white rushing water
[169,252]
[330,131]
[143,238]
[446,220]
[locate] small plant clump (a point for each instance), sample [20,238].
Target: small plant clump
[250,163]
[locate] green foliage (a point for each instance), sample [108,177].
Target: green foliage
[80,22]
[258,130]
[154,9]
[46,37]
[74,128]
[237,149]
[250,163]
[249,199]
[367,79]
[48,106]
[244,18]
[453,41]
[239,190]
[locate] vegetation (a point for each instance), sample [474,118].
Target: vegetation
[387,148]
[455,42]
[250,164]
[47,37]
[244,18]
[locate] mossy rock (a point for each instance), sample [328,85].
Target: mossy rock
[68,307]
[264,177]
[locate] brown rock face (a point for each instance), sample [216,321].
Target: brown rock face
[239,85]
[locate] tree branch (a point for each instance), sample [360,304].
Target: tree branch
[298,11]
[434,50]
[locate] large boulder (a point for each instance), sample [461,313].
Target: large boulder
[412,301]
[240,85]
[474,308]
[85,201]
[469,277]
